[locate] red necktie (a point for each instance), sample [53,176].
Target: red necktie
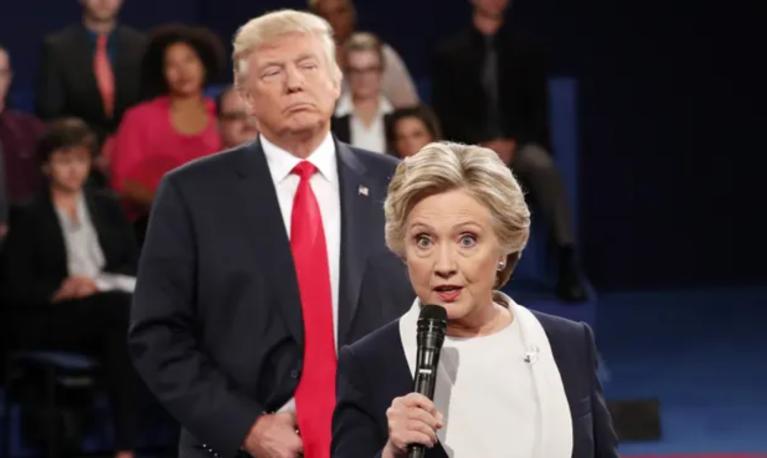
[315,395]
[105,79]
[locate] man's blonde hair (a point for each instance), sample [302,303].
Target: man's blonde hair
[443,166]
[272,26]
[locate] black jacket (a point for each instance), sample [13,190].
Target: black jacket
[460,102]
[216,327]
[373,371]
[35,258]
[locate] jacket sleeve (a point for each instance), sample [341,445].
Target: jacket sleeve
[605,439]
[26,281]
[163,338]
[355,433]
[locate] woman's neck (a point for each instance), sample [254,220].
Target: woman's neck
[488,320]
[186,102]
[366,109]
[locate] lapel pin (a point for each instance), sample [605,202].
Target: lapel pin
[363,191]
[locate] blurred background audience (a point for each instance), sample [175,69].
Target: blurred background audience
[362,112]
[235,125]
[177,123]
[68,270]
[410,129]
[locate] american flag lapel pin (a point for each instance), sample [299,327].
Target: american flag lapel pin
[363,190]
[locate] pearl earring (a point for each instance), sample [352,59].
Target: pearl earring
[501,265]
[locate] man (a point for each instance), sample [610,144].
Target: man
[91,70]
[490,88]
[362,113]
[261,261]
[20,177]
[397,83]
[235,125]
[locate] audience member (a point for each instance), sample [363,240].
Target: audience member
[397,84]
[69,267]
[177,124]
[490,88]
[19,133]
[262,260]
[91,70]
[362,112]
[410,129]
[235,123]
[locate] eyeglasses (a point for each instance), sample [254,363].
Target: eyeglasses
[360,71]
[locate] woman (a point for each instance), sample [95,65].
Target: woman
[69,269]
[362,113]
[510,382]
[410,129]
[177,125]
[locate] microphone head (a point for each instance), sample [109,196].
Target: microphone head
[433,312]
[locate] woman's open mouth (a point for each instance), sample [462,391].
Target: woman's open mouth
[448,293]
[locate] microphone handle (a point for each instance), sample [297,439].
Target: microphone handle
[424,384]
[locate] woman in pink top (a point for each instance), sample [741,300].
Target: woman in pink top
[174,127]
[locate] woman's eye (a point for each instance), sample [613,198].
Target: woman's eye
[467,241]
[422,241]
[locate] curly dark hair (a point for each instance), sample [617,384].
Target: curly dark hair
[421,112]
[206,44]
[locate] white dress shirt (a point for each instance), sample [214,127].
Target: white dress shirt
[372,137]
[325,185]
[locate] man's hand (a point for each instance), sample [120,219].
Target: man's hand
[75,287]
[504,147]
[274,436]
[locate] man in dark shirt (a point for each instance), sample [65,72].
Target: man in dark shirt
[91,70]
[490,89]
[20,176]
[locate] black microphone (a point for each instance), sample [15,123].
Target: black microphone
[432,323]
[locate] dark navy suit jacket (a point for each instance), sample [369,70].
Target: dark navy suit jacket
[216,328]
[373,371]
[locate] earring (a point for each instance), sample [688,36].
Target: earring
[501,265]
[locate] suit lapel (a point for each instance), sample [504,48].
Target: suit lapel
[263,222]
[356,205]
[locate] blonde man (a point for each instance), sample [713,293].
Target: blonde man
[262,260]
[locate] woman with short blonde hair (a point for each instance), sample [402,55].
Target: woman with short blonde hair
[510,382]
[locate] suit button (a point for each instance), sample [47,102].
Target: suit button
[295,373]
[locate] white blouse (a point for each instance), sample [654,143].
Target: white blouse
[488,397]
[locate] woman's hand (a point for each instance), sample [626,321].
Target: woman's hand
[412,419]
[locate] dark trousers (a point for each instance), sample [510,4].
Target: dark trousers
[535,169]
[98,326]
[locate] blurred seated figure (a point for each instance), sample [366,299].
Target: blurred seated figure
[69,270]
[235,124]
[20,176]
[489,88]
[410,129]
[91,70]
[362,112]
[177,125]
[396,82]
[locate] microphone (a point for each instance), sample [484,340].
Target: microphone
[432,323]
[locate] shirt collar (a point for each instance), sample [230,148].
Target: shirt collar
[282,162]
[345,105]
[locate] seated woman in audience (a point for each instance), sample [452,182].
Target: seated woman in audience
[69,270]
[177,125]
[510,382]
[410,129]
[362,112]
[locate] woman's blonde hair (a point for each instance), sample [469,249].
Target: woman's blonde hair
[444,166]
[271,26]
